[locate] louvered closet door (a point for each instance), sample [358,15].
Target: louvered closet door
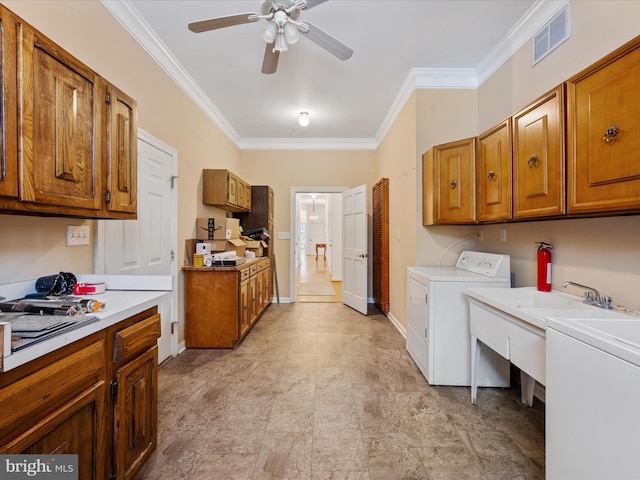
[380,229]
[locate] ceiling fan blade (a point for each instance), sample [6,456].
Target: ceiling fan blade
[326,41]
[313,3]
[221,22]
[270,61]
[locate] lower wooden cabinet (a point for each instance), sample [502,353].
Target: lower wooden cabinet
[136,412]
[223,303]
[59,407]
[96,398]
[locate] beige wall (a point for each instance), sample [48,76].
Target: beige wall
[31,246]
[396,158]
[599,252]
[442,116]
[283,169]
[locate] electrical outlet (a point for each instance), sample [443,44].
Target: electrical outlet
[503,234]
[77,235]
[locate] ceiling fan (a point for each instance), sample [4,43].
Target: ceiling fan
[282,30]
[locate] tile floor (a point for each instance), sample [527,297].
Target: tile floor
[320,392]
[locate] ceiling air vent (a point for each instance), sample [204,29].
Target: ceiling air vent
[552,35]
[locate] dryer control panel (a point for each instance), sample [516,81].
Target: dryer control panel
[487,264]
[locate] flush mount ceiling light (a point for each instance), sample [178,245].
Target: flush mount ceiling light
[303,120]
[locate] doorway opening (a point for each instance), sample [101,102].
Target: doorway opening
[316,244]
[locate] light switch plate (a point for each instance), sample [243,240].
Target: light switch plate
[77,235]
[284,235]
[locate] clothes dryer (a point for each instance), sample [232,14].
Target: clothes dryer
[438,337]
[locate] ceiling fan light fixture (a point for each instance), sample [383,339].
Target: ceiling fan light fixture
[291,33]
[270,32]
[281,43]
[303,120]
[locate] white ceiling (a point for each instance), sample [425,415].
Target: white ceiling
[399,45]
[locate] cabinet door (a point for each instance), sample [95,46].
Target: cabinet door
[259,292]
[121,152]
[247,197]
[58,146]
[245,308]
[455,191]
[494,173]
[240,190]
[8,106]
[253,299]
[603,128]
[78,427]
[266,287]
[538,158]
[232,189]
[135,413]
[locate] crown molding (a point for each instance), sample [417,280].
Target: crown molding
[418,78]
[139,29]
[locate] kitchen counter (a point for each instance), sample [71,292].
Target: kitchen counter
[119,305]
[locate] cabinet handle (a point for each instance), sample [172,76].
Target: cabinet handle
[453,184]
[492,176]
[533,161]
[610,135]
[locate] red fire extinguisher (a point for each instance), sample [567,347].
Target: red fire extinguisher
[544,266]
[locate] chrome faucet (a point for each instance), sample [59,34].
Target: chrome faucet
[592,296]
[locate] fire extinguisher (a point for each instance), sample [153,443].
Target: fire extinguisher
[544,266]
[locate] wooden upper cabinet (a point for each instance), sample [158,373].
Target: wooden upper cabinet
[454,182]
[538,158]
[58,146]
[121,142]
[224,189]
[8,105]
[603,129]
[493,166]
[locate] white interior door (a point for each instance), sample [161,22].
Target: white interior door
[146,246]
[354,249]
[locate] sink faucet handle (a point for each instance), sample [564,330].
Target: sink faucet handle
[589,297]
[607,302]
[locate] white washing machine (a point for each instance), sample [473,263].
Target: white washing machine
[438,337]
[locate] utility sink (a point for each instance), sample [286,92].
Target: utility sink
[533,306]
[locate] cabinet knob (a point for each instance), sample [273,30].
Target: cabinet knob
[492,175]
[533,161]
[453,184]
[610,135]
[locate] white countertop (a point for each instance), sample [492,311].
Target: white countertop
[119,305]
[619,337]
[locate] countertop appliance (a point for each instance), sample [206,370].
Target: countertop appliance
[438,337]
[592,398]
